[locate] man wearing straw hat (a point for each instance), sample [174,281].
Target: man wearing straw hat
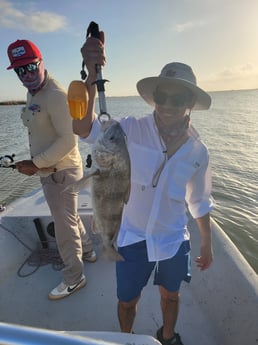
[153,235]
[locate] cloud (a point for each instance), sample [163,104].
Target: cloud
[188,26]
[43,21]
[235,72]
[243,76]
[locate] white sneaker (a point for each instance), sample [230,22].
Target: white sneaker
[63,290]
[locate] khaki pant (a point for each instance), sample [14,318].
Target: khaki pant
[71,236]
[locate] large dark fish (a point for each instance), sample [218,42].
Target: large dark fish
[110,184]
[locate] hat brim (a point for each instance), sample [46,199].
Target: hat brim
[147,86]
[22,62]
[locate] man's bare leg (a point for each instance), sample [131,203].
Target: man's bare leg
[126,314]
[169,302]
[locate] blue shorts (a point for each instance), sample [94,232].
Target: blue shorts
[133,274]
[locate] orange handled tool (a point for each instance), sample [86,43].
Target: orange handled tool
[77,92]
[77,99]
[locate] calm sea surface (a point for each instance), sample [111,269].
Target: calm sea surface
[230,130]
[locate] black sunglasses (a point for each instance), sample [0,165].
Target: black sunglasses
[30,67]
[176,100]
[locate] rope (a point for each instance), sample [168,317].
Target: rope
[39,257]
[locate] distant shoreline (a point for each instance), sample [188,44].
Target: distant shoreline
[12,102]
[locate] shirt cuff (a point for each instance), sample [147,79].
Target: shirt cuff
[200,209]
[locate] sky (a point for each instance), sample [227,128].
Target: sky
[217,38]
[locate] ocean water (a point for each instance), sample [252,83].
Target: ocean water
[230,130]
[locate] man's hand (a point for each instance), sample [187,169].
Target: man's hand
[205,259]
[93,53]
[26,167]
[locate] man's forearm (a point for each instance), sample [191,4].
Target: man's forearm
[204,227]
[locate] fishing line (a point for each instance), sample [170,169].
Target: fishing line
[38,257]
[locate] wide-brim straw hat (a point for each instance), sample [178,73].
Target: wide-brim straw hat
[175,73]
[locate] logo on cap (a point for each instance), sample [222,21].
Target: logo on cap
[19,51]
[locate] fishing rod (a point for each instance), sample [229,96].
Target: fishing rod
[93,31]
[7,161]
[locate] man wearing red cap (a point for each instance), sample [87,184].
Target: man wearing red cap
[55,158]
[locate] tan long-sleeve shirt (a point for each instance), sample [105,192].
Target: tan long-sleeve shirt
[51,139]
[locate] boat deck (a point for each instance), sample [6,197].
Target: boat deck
[219,306]
[93,308]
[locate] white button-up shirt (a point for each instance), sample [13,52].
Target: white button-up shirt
[158,214]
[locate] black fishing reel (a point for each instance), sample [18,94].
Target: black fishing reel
[88,161]
[7,161]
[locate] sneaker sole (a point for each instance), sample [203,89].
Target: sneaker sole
[56,297]
[90,260]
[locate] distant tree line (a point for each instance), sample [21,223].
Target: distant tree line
[12,102]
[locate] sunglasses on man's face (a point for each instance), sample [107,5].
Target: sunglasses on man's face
[176,100]
[30,67]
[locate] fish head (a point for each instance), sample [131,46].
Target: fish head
[111,140]
[113,135]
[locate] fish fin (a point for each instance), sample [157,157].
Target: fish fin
[83,182]
[111,253]
[77,186]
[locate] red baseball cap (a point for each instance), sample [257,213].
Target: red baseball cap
[22,52]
